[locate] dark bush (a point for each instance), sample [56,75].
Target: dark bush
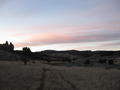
[102,61]
[87,61]
[110,62]
[26,55]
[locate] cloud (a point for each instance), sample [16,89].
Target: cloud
[110,44]
[93,27]
[59,34]
[49,38]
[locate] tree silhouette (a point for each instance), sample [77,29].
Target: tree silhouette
[11,46]
[27,55]
[6,43]
[5,46]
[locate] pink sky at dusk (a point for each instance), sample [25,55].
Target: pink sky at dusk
[61,24]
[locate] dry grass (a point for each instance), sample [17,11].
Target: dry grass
[16,76]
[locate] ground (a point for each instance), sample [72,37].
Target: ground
[14,75]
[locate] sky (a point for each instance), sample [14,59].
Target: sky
[61,24]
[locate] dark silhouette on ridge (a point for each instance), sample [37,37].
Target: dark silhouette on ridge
[7,47]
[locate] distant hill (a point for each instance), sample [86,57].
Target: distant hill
[7,52]
[87,53]
[4,55]
[77,51]
[74,52]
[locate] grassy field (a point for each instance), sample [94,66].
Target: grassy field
[15,75]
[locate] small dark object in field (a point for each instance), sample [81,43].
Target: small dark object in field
[102,61]
[69,60]
[33,61]
[110,62]
[87,62]
[48,60]
[25,60]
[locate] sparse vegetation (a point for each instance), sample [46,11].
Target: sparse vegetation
[15,76]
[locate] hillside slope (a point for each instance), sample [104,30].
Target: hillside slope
[4,55]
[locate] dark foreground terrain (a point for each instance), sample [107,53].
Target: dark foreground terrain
[14,75]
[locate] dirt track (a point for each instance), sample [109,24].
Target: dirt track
[54,72]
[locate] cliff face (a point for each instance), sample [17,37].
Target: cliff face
[4,55]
